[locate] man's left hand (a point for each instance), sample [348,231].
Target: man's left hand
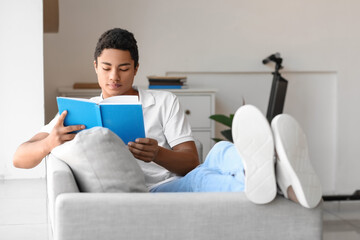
[145,149]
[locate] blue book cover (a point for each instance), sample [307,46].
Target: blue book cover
[123,115]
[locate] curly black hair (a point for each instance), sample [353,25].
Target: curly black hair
[117,38]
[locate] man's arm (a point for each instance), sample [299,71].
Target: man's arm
[180,160]
[30,153]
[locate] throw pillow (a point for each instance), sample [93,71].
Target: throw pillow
[101,162]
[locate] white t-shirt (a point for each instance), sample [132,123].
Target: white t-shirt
[164,121]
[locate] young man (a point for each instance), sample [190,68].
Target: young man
[169,152]
[169,148]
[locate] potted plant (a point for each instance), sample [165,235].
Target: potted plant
[227,121]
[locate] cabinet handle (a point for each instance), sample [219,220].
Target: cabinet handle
[187,112]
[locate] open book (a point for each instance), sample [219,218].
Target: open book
[123,115]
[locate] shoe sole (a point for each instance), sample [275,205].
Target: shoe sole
[253,139]
[293,165]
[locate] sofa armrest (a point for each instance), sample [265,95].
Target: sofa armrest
[181,216]
[59,179]
[199,148]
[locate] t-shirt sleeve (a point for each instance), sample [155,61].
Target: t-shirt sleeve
[48,127]
[177,129]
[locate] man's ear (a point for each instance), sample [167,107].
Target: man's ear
[136,68]
[95,66]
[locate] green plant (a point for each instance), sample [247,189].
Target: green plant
[227,121]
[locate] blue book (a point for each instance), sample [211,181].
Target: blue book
[168,86]
[123,115]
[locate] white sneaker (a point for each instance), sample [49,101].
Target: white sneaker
[293,167]
[254,141]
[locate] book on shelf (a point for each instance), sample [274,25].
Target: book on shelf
[168,86]
[166,80]
[123,115]
[88,85]
[166,83]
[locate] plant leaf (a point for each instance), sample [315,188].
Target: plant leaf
[217,139]
[227,134]
[227,121]
[232,117]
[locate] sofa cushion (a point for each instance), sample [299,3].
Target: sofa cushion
[101,162]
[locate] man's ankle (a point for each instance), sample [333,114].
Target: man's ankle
[291,194]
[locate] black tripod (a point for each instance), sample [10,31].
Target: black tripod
[278,88]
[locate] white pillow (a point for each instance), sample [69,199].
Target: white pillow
[101,162]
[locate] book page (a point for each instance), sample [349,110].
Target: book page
[124,99]
[77,99]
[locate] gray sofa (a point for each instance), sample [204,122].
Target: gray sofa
[88,216]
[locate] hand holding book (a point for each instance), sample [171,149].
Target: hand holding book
[145,149]
[121,114]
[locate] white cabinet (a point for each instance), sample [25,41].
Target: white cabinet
[198,105]
[197,109]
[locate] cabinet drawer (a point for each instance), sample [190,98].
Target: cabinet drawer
[197,110]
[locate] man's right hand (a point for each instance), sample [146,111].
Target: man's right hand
[30,153]
[61,134]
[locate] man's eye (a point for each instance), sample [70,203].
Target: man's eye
[124,69]
[106,69]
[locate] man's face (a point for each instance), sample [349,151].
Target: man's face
[115,71]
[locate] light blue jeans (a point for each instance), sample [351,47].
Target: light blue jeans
[222,171]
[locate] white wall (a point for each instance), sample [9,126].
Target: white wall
[313,36]
[21,78]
